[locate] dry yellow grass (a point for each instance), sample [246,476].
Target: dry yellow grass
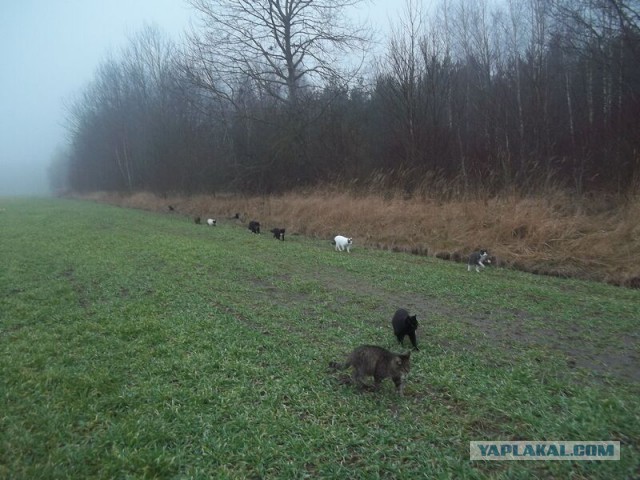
[554,234]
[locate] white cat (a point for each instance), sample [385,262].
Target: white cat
[342,243]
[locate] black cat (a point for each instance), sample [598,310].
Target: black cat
[278,233]
[403,324]
[254,226]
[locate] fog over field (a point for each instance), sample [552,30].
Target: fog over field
[50,51]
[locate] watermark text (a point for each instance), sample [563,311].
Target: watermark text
[531,450]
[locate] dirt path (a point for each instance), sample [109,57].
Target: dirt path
[620,359]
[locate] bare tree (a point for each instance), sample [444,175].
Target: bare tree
[281,45]
[58,170]
[406,71]
[261,100]
[280,54]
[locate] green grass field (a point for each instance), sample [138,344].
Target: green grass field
[141,345]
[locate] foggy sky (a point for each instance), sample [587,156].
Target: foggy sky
[49,51]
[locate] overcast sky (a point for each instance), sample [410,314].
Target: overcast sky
[50,49]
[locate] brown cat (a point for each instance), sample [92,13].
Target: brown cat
[369,360]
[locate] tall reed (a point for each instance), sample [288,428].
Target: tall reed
[557,233]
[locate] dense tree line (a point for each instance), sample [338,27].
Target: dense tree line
[271,94]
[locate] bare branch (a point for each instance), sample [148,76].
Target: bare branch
[282,45]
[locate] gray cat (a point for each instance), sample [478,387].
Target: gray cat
[370,360]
